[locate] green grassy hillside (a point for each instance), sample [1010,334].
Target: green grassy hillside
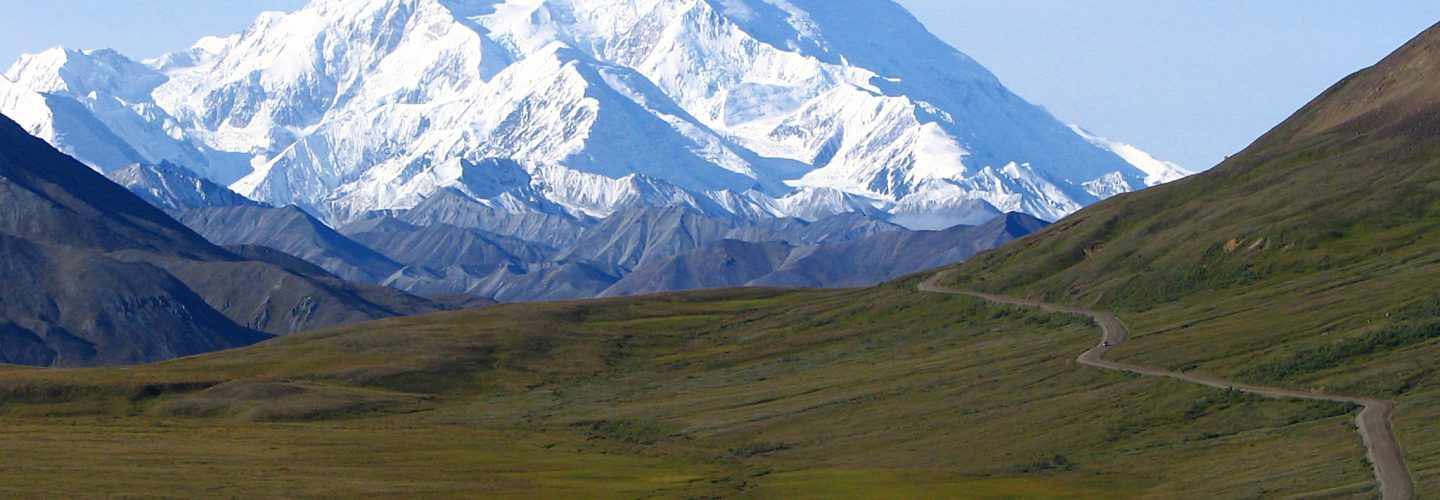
[1310,260]
[881,392]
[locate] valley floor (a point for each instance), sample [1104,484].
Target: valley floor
[878,392]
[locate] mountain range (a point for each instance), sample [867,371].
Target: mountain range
[582,109]
[451,245]
[98,276]
[460,153]
[94,275]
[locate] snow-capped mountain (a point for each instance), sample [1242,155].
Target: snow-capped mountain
[756,108]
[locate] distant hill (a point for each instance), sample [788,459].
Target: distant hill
[290,230]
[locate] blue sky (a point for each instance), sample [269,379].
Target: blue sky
[1190,81]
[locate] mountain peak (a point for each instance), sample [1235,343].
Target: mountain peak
[726,105]
[1020,223]
[83,72]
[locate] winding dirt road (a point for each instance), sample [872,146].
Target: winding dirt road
[1382,448]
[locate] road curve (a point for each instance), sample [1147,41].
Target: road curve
[1373,423]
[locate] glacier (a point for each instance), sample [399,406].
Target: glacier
[583,108]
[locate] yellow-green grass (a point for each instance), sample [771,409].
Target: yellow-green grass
[907,484]
[1283,332]
[205,458]
[1335,327]
[727,393]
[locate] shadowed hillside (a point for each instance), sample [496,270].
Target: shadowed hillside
[90,274]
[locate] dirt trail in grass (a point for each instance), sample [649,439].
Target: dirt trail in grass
[1382,448]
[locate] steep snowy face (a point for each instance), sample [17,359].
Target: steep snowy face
[750,107]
